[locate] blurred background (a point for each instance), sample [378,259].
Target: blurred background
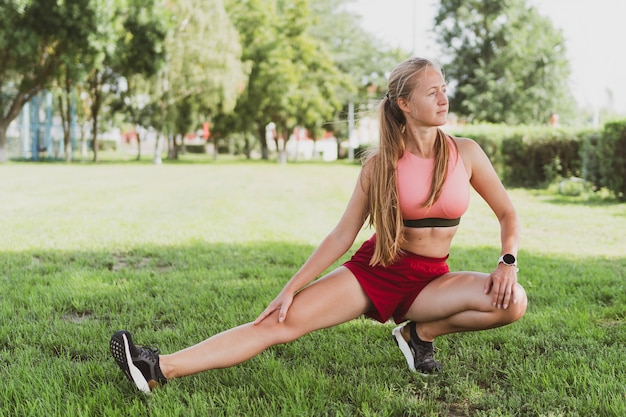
[298,79]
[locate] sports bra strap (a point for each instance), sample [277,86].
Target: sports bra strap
[432,222]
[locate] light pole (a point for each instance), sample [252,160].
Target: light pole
[414,26]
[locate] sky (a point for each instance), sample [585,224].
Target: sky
[594,32]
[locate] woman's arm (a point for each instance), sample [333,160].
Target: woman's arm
[337,243]
[485,181]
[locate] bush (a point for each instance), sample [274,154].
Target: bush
[106,145]
[529,156]
[612,158]
[196,148]
[540,157]
[590,156]
[489,137]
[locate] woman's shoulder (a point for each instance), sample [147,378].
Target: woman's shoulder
[462,141]
[470,151]
[466,146]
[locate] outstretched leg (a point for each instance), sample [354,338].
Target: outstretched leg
[329,301]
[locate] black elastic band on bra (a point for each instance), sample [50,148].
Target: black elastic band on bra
[432,222]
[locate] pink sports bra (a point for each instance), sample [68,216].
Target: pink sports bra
[414,183]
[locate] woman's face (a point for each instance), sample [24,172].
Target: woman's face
[427,106]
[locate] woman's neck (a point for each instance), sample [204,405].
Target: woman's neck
[421,141]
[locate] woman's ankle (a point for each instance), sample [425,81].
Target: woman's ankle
[422,333]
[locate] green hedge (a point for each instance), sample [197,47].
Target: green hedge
[106,145]
[611,154]
[528,156]
[536,156]
[196,148]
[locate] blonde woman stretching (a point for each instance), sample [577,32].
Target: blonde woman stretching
[413,190]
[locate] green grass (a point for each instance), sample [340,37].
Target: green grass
[178,252]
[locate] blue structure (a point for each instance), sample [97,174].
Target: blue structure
[36,134]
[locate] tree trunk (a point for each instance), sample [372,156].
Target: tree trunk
[138,144]
[246,148]
[264,151]
[66,121]
[283,152]
[95,109]
[157,150]
[4,155]
[13,111]
[172,149]
[94,141]
[83,141]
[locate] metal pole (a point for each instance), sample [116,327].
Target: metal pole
[414,27]
[350,130]
[25,129]
[34,127]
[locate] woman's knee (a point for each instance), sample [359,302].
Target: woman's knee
[517,309]
[280,333]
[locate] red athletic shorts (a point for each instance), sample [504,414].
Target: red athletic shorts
[393,289]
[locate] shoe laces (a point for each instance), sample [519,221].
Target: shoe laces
[147,354]
[423,351]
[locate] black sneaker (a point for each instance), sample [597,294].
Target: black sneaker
[419,355]
[139,364]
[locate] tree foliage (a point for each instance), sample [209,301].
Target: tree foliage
[308,60]
[242,64]
[203,73]
[271,70]
[507,63]
[139,56]
[36,38]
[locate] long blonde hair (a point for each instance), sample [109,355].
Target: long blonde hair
[383,205]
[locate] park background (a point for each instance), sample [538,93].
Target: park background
[96,237]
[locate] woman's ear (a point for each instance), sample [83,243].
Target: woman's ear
[403,104]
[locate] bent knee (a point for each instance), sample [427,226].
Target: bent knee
[517,309]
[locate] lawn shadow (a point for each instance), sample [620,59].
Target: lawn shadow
[64,305]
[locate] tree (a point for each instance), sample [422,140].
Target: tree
[139,56]
[203,72]
[263,97]
[292,78]
[312,99]
[36,38]
[73,70]
[506,62]
[358,54]
[362,59]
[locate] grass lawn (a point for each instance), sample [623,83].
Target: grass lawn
[178,252]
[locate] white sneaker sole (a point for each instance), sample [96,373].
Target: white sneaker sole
[135,373]
[404,347]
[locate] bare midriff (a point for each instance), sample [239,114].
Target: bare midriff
[434,242]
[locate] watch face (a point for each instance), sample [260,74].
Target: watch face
[508,259]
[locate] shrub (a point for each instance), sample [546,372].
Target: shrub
[196,148]
[529,156]
[106,145]
[612,158]
[590,157]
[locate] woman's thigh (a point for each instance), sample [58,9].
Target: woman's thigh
[333,299]
[450,294]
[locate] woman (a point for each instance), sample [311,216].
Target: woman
[413,190]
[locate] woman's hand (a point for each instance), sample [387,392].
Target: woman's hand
[501,283]
[281,303]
